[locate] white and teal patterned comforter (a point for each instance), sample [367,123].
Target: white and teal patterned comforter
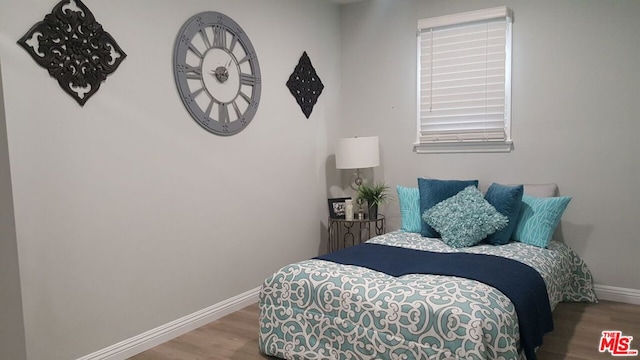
[316,309]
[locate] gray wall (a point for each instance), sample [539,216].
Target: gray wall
[12,342]
[130,215]
[576,112]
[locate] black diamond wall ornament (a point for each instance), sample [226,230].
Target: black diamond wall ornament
[305,85]
[74,48]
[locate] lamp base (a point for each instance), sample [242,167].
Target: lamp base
[356,180]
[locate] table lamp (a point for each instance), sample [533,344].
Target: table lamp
[357,153]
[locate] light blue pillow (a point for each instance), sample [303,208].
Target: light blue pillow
[465,219]
[539,218]
[409,201]
[508,201]
[432,191]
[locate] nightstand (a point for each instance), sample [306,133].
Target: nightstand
[344,233]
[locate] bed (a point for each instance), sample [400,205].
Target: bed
[318,309]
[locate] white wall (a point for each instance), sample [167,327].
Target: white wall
[576,114]
[130,215]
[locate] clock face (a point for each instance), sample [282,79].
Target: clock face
[217,73]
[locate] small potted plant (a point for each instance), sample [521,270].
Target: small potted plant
[374,195]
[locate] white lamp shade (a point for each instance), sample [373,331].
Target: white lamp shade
[357,153]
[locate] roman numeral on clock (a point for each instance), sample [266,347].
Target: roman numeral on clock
[219,37]
[247,79]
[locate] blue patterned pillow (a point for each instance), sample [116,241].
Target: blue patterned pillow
[539,218]
[465,219]
[409,201]
[508,201]
[432,191]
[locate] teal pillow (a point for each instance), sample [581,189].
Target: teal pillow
[465,219]
[508,201]
[409,201]
[539,218]
[432,191]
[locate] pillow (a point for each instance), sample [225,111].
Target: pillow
[539,218]
[432,191]
[465,219]
[508,201]
[409,201]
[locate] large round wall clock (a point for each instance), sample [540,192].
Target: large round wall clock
[217,73]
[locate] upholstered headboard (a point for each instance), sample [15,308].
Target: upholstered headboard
[541,190]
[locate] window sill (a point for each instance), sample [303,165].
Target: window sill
[463,147]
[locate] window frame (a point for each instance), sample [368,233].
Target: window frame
[464,146]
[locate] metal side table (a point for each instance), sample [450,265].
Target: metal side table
[344,233]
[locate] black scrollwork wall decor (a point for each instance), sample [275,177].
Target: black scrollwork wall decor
[74,48]
[305,85]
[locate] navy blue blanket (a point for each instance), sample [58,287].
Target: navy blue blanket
[519,282]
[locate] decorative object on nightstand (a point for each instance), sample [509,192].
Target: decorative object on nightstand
[74,48]
[348,212]
[344,233]
[217,73]
[374,195]
[357,153]
[305,85]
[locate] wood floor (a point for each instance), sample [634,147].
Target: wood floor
[576,336]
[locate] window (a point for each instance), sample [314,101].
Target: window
[464,82]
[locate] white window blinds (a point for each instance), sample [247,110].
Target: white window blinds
[465,82]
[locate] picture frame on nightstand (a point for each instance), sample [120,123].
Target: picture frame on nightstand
[337,207]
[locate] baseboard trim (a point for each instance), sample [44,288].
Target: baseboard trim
[612,293]
[145,341]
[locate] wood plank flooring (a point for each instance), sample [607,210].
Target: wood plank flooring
[576,336]
[578,328]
